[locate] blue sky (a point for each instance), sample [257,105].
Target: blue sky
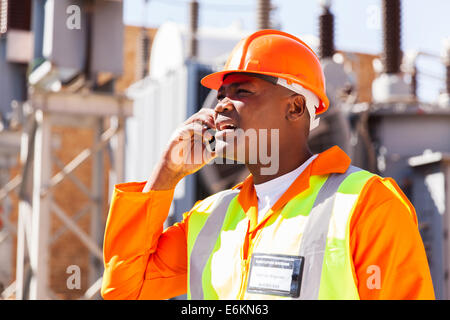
[358,24]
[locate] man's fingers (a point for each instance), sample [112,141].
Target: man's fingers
[188,130]
[198,131]
[196,135]
[204,116]
[198,151]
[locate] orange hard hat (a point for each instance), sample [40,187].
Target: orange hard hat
[278,54]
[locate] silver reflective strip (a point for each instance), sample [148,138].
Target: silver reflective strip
[205,241]
[314,239]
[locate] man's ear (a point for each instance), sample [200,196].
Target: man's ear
[296,107]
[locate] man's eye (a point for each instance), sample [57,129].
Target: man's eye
[220,97]
[243,91]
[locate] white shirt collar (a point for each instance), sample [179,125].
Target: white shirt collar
[282,182]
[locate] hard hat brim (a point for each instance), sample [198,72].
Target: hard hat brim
[214,81]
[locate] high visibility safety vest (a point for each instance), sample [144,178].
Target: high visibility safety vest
[314,225]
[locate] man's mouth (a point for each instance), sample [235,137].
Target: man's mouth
[228,127]
[225,130]
[225,126]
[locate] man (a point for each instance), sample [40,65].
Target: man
[314,228]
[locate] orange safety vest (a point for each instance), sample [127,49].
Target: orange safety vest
[313,227]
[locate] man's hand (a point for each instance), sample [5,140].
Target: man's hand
[187,152]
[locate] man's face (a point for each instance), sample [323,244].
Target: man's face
[250,108]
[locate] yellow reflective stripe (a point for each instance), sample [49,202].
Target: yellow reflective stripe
[314,241]
[195,224]
[302,203]
[338,222]
[200,252]
[337,281]
[355,182]
[197,218]
[224,263]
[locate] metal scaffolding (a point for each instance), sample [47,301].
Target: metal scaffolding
[36,183]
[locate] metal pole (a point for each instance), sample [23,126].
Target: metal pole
[25,211]
[392,54]
[96,265]
[145,43]
[447,77]
[38,14]
[263,11]
[22,249]
[117,145]
[145,53]
[446,236]
[414,82]
[193,28]
[326,32]
[119,163]
[41,208]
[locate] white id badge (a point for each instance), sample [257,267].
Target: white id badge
[275,274]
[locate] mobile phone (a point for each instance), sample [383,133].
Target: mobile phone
[211,142]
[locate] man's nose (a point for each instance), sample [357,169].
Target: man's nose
[223,106]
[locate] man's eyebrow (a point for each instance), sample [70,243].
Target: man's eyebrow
[235,84]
